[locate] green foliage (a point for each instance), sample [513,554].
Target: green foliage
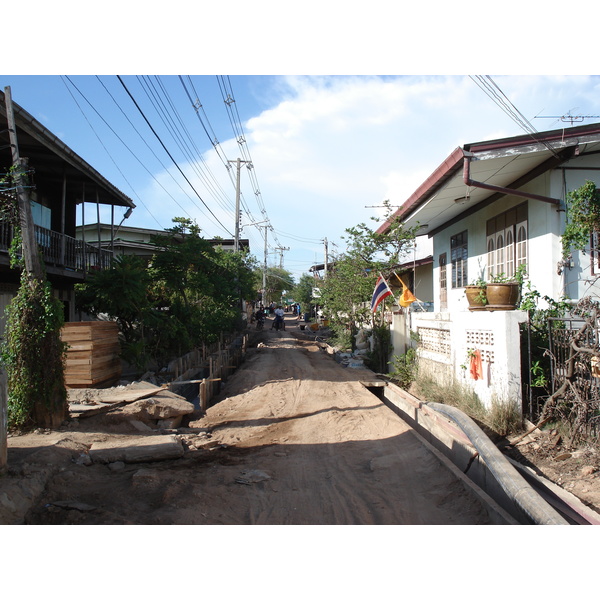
[33,356]
[303,290]
[378,358]
[277,281]
[583,218]
[189,294]
[347,289]
[404,368]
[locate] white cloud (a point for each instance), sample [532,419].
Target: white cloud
[333,145]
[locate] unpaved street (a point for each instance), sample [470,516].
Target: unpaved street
[295,439]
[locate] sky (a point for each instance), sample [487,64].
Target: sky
[325,151]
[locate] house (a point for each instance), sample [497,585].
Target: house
[61,182]
[489,208]
[124,240]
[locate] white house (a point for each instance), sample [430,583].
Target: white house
[490,207]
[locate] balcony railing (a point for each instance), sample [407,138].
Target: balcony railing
[60,250]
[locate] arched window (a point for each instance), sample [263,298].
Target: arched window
[499,253]
[510,253]
[491,258]
[522,244]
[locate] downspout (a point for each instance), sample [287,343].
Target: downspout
[468,156]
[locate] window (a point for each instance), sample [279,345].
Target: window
[507,242]
[510,256]
[443,281]
[522,244]
[458,256]
[491,258]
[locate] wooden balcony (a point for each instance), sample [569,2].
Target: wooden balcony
[61,252]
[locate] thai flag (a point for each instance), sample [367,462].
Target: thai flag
[381,291]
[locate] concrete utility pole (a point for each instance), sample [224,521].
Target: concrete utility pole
[238,163]
[265,269]
[281,250]
[264,275]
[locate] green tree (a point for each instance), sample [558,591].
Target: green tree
[303,291]
[277,281]
[348,287]
[189,293]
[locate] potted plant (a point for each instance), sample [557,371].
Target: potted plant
[503,292]
[476,294]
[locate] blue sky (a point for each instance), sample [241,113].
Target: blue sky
[325,148]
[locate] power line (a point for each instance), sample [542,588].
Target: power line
[493,91]
[107,152]
[127,147]
[170,117]
[170,155]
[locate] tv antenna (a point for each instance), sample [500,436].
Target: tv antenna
[569,118]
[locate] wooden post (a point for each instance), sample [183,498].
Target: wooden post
[202,393]
[84,258]
[62,219]
[33,265]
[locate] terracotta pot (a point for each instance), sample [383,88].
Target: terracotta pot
[502,296]
[476,297]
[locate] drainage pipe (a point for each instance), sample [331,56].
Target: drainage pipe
[515,486]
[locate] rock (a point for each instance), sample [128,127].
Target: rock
[172,423]
[117,466]
[164,405]
[145,477]
[83,459]
[563,456]
[253,476]
[139,425]
[142,449]
[587,470]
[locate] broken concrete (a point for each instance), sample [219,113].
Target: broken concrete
[143,449]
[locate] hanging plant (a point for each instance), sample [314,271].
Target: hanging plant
[583,218]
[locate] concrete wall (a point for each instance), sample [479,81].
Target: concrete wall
[444,341]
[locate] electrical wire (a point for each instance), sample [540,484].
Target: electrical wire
[108,153]
[127,147]
[493,91]
[170,155]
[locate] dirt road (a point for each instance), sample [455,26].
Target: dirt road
[295,439]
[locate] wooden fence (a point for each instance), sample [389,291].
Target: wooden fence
[215,362]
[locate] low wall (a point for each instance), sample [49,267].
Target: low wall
[447,339]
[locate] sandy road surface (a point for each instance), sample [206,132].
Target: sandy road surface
[295,439]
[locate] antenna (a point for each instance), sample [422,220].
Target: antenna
[569,118]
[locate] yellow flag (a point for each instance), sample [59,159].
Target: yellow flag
[406,298]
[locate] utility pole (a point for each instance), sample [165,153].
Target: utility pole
[264,275]
[238,163]
[265,270]
[281,250]
[33,265]
[326,258]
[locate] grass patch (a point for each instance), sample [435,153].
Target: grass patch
[503,418]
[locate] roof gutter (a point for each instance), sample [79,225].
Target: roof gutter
[468,156]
